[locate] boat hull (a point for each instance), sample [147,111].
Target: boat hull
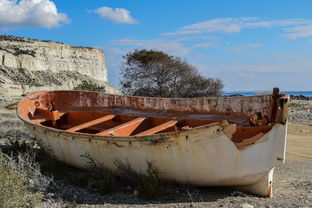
[203,156]
[235,141]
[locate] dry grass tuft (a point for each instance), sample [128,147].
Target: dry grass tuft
[102,179]
[148,186]
[17,188]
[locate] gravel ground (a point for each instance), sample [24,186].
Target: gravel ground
[300,112]
[292,186]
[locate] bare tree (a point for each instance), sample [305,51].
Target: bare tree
[157,74]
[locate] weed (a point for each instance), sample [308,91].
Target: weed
[11,106]
[18,144]
[293,104]
[88,86]
[21,182]
[102,179]
[147,185]
[25,162]
[15,187]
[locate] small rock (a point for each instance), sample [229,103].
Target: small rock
[128,187]
[31,183]
[245,205]
[135,192]
[307,202]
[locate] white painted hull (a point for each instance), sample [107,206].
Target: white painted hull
[203,156]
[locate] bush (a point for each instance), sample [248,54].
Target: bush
[23,158]
[15,185]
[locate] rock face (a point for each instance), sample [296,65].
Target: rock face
[29,65]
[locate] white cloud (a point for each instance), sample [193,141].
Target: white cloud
[182,32]
[236,49]
[245,47]
[295,28]
[200,56]
[30,14]
[298,32]
[285,56]
[253,45]
[246,75]
[259,68]
[227,25]
[278,23]
[207,45]
[118,15]
[192,38]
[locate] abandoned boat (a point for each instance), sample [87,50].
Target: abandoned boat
[227,141]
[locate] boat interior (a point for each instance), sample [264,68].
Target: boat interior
[124,122]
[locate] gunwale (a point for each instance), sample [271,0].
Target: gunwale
[130,137]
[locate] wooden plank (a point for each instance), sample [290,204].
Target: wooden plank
[124,129]
[158,128]
[91,123]
[68,126]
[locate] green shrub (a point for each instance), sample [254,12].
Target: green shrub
[15,188]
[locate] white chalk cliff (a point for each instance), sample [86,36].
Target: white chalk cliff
[29,65]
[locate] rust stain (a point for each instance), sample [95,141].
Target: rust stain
[116,144]
[270,190]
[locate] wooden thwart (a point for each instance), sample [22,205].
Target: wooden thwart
[91,123]
[158,128]
[124,129]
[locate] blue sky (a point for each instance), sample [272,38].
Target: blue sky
[250,45]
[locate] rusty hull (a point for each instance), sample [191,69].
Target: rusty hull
[233,141]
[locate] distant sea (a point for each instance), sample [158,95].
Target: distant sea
[250,93]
